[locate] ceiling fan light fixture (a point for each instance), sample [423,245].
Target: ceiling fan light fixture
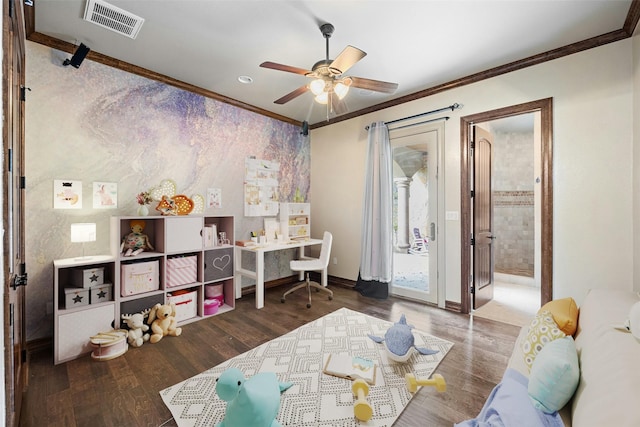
[341,90]
[317,86]
[322,98]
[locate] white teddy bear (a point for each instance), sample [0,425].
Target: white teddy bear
[137,334]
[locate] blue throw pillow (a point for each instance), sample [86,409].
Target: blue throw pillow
[554,375]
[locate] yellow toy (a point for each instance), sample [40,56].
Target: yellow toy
[361,408]
[162,319]
[436,381]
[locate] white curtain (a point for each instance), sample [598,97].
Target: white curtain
[376,254]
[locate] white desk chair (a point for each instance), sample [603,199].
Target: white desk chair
[313,264]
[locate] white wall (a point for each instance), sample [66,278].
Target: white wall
[592,159]
[636,157]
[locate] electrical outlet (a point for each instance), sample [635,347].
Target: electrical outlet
[335,260]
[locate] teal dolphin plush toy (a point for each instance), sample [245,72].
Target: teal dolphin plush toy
[399,341]
[250,402]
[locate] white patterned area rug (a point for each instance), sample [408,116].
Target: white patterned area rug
[315,399]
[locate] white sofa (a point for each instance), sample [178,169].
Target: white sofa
[608,392]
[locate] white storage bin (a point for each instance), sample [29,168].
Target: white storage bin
[87,277]
[75,297]
[138,278]
[186,304]
[101,293]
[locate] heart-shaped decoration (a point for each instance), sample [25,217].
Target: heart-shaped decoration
[167,188]
[198,203]
[221,262]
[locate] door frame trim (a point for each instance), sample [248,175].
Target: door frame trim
[545,107]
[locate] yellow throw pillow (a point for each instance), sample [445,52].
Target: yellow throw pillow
[542,330]
[564,312]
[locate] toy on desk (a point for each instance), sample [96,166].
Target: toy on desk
[436,381]
[361,408]
[253,401]
[399,341]
[137,333]
[162,319]
[135,242]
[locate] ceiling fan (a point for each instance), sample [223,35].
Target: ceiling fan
[330,86]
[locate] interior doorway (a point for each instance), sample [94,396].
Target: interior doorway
[541,270]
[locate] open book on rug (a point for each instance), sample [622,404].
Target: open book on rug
[351,367]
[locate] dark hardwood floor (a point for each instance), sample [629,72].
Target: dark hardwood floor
[125,391]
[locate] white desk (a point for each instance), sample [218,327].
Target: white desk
[258,274]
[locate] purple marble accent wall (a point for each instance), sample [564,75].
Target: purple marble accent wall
[100,124]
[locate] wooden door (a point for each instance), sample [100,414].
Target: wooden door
[482,218]
[13,61]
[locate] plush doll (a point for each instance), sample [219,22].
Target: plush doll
[137,333]
[250,402]
[162,319]
[399,341]
[135,242]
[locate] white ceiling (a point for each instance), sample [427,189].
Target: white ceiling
[417,44]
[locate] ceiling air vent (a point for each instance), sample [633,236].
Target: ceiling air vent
[113,18]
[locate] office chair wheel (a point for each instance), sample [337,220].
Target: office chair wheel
[282,300]
[308,305]
[330,297]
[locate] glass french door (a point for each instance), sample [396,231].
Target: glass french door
[415,212]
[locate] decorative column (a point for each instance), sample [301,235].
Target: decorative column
[402,185]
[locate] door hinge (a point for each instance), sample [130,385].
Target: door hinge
[473,240]
[19,280]
[472,290]
[23,182]
[472,146]
[23,92]
[473,193]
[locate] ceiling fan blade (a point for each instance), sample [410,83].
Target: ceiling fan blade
[337,105]
[287,68]
[374,85]
[347,58]
[288,97]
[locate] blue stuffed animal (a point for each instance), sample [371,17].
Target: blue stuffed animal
[250,402]
[399,341]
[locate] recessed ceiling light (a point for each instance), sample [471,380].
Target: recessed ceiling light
[245,79]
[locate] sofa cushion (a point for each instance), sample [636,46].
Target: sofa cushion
[564,312]
[554,375]
[607,394]
[542,330]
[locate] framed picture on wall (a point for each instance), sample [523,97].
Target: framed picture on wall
[105,195]
[67,194]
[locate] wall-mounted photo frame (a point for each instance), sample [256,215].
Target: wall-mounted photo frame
[214,198]
[67,194]
[105,195]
